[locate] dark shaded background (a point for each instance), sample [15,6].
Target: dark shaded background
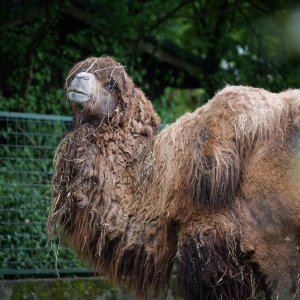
[179,51]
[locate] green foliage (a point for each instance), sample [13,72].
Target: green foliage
[251,43]
[60,289]
[174,102]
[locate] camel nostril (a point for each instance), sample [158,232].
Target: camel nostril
[83,76]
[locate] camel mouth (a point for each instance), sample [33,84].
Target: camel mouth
[78,96]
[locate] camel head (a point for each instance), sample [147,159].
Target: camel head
[100,91]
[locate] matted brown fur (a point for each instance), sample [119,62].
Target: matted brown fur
[218,189]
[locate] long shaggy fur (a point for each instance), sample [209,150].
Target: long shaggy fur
[218,189]
[212,266]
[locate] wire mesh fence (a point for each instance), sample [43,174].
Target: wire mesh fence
[27,146]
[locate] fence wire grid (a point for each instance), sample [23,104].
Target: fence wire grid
[27,147]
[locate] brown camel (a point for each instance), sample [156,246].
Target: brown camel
[218,191]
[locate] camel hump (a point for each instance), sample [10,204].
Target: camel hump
[236,122]
[205,154]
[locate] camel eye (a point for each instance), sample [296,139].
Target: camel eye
[111,86]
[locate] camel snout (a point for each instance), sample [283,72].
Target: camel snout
[80,88]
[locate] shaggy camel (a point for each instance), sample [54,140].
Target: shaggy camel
[217,191]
